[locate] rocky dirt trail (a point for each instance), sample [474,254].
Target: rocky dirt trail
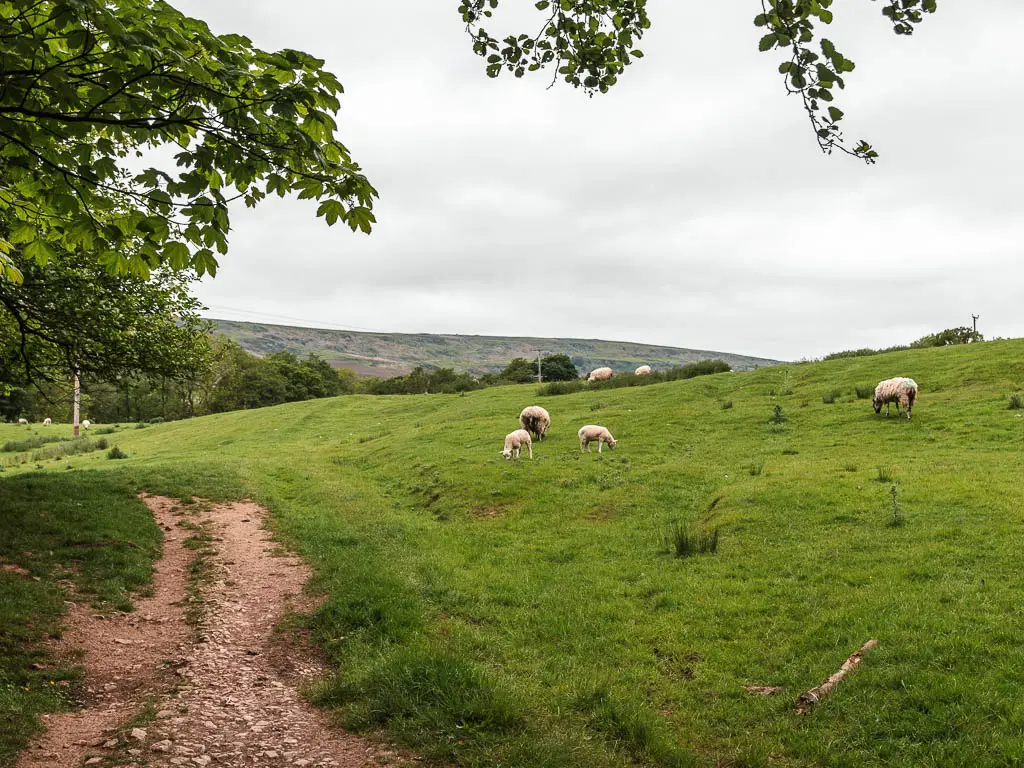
[225,693]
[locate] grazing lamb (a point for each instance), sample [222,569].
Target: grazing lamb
[47,421]
[22,422]
[643,370]
[901,390]
[514,442]
[600,374]
[536,420]
[86,424]
[595,434]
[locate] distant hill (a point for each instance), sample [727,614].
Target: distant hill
[393,354]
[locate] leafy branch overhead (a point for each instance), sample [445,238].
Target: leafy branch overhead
[591,42]
[94,91]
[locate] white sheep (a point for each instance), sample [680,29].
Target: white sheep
[643,370]
[900,390]
[86,424]
[22,422]
[536,420]
[47,421]
[595,434]
[514,442]
[600,374]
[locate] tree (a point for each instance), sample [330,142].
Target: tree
[72,315]
[85,85]
[948,337]
[519,370]
[558,368]
[591,42]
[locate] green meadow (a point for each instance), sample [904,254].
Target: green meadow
[534,613]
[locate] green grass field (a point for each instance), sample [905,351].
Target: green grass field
[534,614]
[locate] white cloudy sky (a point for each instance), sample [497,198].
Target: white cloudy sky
[688,207]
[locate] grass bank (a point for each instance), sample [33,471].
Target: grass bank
[535,613]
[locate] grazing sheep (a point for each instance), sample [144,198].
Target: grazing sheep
[22,422]
[595,434]
[901,390]
[47,421]
[643,370]
[536,420]
[86,424]
[514,442]
[600,374]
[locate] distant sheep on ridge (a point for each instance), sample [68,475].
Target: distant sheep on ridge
[643,370]
[600,374]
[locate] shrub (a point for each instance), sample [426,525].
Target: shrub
[116,453]
[104,430]
[756,467]
[778,416]
[157,420]
[864,391]
[31,443]
[69,448]
[686,541]
[830,397]
[561,387]
[1016,402]
[727,405]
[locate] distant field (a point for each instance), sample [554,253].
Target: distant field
[393,354]
[492,613]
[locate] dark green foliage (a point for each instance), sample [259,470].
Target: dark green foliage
[865,391]
[32,442]
[562,387]
[86,527]
[70,312]
[558,368]
[1016,403]
[948,337]
[830,397]
[519,371]
[726,405]
[116,453]
[756,467]
[685,540]
[422,382]
[778,415]
[85,84]
[591,43]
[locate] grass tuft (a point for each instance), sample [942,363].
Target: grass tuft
[686,541]
[1016,402]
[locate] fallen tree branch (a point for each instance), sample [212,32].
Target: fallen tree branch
[815,695]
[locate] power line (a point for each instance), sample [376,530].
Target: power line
[305,321]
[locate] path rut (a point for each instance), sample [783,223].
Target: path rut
[225,694]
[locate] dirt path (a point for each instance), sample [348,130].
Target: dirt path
[228,698]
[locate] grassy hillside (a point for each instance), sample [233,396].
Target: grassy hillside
[531,614]
[393,354]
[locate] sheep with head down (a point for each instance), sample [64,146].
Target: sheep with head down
[535,420]
[643,370]
[900,390]
[514,442]
[592,433]
[600,374]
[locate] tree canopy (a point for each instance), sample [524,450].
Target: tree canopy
[91,91]
[591,42]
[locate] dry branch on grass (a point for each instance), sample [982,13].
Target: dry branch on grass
[815,695]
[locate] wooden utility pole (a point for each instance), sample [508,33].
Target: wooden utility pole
[78,397]
[540,378]
[975,319]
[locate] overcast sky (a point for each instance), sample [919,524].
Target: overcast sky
[689,207]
